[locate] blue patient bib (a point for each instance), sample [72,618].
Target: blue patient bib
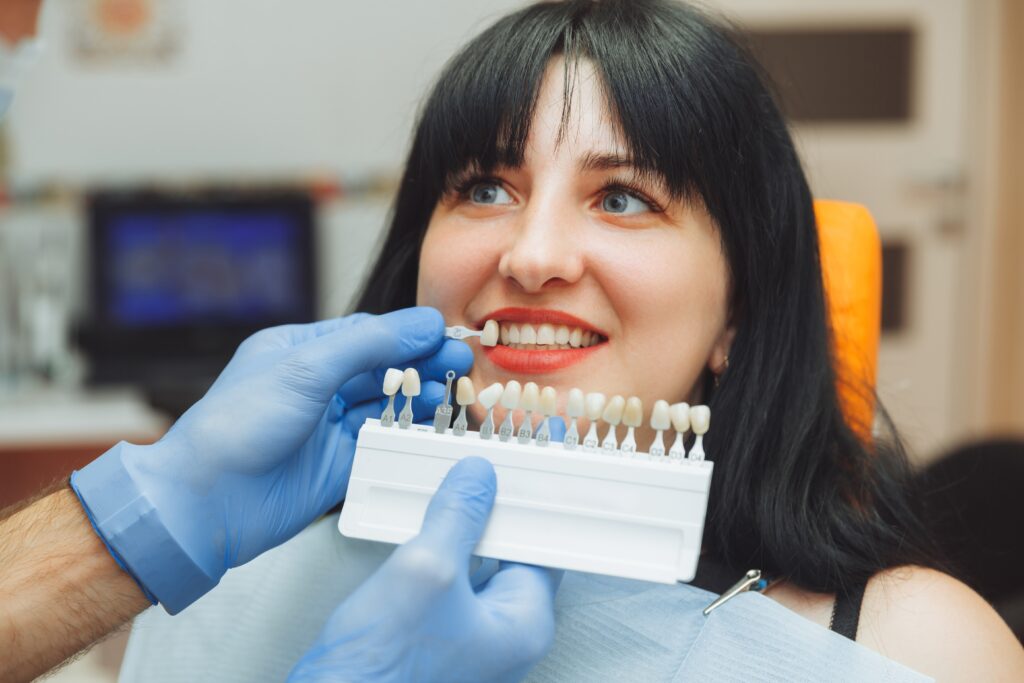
[616,630]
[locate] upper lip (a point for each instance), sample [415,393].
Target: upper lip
[539,316]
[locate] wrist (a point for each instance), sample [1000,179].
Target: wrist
[142,531]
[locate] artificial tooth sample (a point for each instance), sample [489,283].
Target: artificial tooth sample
[489,398]
[593,404]
[660,421]
[527,334]
[465,396]
[392,383]
[528,401]
[509,401]
[680,416]
[548,407]
[613,416]
[632,417]
[700,421]
[410,388]
[443,413]
[490,334]
[574,410]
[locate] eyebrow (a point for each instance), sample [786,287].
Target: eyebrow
[604,161]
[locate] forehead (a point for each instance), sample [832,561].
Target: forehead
[572,118]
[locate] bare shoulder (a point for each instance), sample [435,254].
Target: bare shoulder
[938,626]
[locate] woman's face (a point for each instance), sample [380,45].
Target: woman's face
[576,238]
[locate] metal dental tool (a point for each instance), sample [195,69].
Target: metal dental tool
[660,421]
[548,406]
[613,416]
[443,414]
[528,402]
[509,401]
[465,395]
[410,389]
[680,414]
[574,409]
[488,398]
[392,383]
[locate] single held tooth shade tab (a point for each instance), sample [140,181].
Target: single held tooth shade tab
[679,413]
[392,383]
[574,409]
[700,421]
[443,413]
[410,389]
[660,421]
[528,401]
[593,405]
[461,332]
[489,398]
[613,416]
[632,417]
[491,332]
[548,407]
[509,401]
[465,396]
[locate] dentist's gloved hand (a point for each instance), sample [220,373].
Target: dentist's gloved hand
[265,452]
[419,618]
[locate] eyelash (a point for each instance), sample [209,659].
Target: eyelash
[461,187]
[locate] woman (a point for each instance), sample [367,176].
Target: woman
[620,167]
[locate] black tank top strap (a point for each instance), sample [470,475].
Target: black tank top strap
[846,611]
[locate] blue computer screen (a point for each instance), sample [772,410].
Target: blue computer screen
[203,266]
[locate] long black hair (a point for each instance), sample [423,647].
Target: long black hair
[795,492]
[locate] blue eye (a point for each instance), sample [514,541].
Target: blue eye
[489,193]
[623,203]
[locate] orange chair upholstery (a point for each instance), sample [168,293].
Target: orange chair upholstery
[851,262]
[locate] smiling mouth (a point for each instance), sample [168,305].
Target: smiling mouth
[533,341]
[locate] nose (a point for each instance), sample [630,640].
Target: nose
[546,250]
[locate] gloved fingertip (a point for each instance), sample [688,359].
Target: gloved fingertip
[456,355]
[420,328]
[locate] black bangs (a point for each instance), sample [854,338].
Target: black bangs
[479,113]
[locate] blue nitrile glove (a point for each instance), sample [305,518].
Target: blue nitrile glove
[418,618]
[264,453]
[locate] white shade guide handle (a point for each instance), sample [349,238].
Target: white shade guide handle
[679,413]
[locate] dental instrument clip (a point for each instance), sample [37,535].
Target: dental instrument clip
[460,332]
[751,581]
[443,414]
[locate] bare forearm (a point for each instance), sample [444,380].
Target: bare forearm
[60,590]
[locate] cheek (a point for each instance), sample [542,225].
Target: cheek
[452,268]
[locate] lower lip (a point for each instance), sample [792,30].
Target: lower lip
[537,362]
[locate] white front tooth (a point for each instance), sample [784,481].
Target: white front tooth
[513,334]
[594,403]
[562,334]
[700,419]
[491,332]
[613,411]
[660,418]
[548,401]
[504,335]
[527,334]
[574,406]
[410,382]
[633,415]
[392,381]
[546,334]
[510,396]
[576,337]
[530,396]
[489,397]
[680,414]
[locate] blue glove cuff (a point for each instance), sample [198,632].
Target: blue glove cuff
[134,533]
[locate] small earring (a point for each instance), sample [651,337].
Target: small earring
[725,366]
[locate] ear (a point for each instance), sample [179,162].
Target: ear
[720,351]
